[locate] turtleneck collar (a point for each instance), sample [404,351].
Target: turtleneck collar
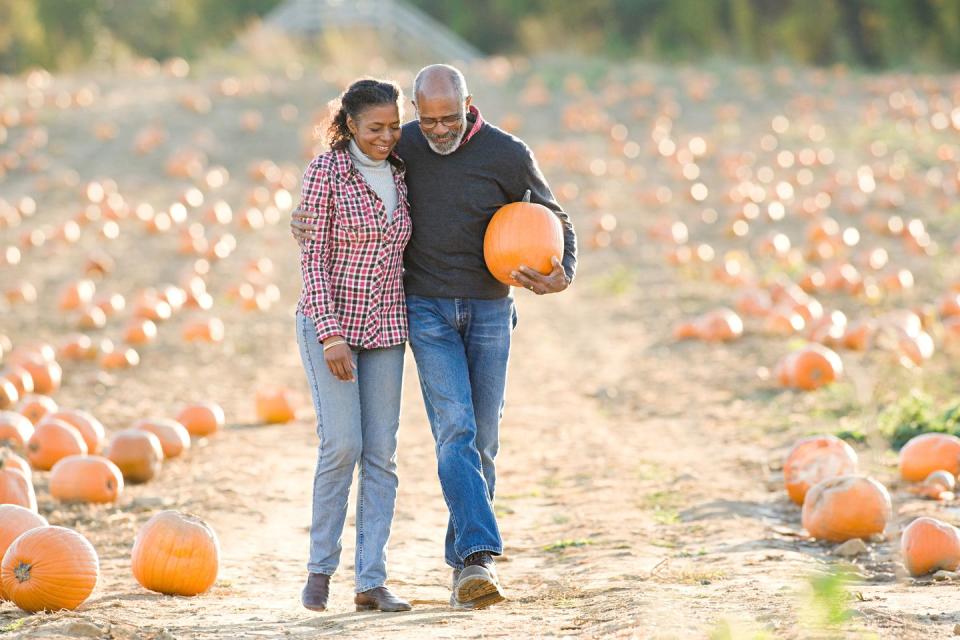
[361,158]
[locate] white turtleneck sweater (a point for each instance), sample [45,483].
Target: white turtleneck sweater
[379,175]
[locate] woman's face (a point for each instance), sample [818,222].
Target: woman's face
[376,130]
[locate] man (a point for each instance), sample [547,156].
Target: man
[459,170]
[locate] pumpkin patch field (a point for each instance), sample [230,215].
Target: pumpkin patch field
[741,421]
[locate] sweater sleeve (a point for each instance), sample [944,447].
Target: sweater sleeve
[315,255]
[530,177]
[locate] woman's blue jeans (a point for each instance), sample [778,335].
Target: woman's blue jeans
[357,423]
[461,346]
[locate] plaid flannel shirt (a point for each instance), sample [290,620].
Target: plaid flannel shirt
[353,269]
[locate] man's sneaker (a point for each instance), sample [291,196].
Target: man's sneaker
[476,586]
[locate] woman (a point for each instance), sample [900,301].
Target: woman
[351,329]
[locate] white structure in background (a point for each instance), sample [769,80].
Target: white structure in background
[392,17]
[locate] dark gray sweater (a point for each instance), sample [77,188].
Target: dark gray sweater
[452,199]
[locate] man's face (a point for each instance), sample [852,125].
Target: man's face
[442,120]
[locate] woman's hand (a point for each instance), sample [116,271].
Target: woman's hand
[303,227]
[339,358]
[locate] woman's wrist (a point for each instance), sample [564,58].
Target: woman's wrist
[333,341]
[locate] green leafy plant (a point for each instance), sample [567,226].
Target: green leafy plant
[829,598]
[909,417]
[560,545]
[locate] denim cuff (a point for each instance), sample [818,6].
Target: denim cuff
[459,565]
[360,589]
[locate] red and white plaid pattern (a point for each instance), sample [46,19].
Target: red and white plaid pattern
[477,124]
[353,269]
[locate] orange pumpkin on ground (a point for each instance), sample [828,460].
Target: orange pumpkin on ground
[522,233]
[914,350]
[46,374]
[951,332]
[10,460]
[78,346]
[15,430]
[928,545]
[15,520]
[91,318]
[137,453]
[140,331]
[16,487]
[51,441]
[49,569]
[176,554]
[783,321]
[35,406]
[202,419]
[120,358]
[91,429]
[859,335]
[174,437]
[8,394]
[929,452]
[208,330]
[20,378]
[76,294]
[86,479]
[814,459]
[810,368]
[720,325]
[275,405]
[846,507]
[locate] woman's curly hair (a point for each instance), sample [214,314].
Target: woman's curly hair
[358,97]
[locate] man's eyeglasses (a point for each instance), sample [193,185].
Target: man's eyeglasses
[448,121]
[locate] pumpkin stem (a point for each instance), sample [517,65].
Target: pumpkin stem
[526,196]
[22,572]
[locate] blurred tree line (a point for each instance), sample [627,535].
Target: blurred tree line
[69,33]
[867,33]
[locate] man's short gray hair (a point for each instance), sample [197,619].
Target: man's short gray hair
[457,81]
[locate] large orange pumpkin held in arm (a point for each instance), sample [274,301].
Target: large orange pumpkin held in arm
[522,233]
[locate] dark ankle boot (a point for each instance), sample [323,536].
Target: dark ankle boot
[316,592]
[380,599]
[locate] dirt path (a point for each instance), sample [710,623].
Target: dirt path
[639,494]
[635,500]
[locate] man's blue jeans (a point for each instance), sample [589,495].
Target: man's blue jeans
[461,346]
[357,424]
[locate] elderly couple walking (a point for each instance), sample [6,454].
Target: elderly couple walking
[390,227]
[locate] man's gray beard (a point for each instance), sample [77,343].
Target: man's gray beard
[449,147]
